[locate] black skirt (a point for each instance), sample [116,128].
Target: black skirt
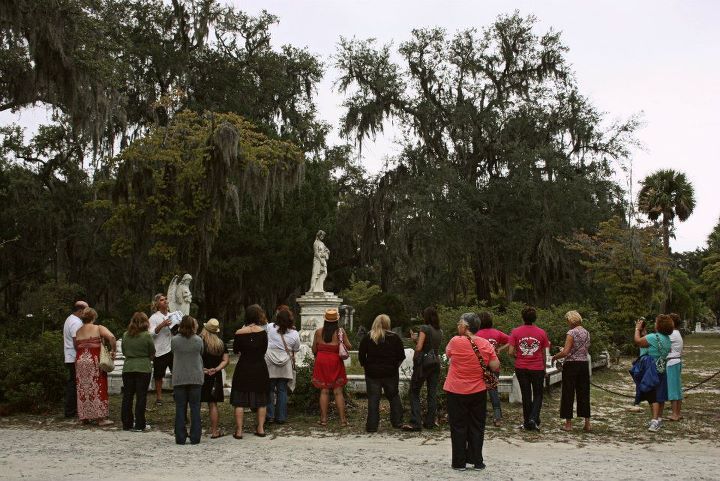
[249,399]
[212,389]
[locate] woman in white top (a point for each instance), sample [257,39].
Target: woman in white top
[283,343]
[673,370]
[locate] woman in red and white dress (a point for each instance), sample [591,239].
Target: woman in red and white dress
[92,384]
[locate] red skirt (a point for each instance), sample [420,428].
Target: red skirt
[329,371]
[92,384]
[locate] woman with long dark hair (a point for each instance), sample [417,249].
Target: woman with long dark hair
[283,343]
[187,379]
[329,371]
[425,371]
[251,382]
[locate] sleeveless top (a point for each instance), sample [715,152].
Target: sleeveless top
[581,344]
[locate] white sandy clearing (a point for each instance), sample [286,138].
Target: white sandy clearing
[109,455]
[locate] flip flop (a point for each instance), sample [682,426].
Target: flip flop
[106,422]
[219,435]
[235,435]
[322,423]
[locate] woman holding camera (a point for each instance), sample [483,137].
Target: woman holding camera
[649,371]
[575,373]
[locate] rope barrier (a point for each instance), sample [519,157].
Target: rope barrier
[633,397]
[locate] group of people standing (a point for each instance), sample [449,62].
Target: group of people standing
[264,373]
[657,370]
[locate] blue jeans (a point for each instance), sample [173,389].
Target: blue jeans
[281,399]
[495,400]
[184,395]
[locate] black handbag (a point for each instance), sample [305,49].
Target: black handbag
[430,359]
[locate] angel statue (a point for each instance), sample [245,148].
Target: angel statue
[320,258]
[179,296]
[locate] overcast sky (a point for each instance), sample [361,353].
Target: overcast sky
[656,57]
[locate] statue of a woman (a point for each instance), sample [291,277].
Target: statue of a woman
[320,257]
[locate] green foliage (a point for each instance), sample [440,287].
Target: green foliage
[502,155]
[47,306]
[358,293]
[552,320]
[667,194]
[32,372]
[628,263]
[384,303]
[305,396]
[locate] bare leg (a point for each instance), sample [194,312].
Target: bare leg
[587,427]
[661,407]
[340,404]
[214,418]
[656,411]
[158,390]
[261,412]
[568,425]
[324,401]
[238,421]
[676,407]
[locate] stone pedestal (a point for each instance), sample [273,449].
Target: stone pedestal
[312,312]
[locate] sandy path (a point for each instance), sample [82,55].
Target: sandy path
[48,455]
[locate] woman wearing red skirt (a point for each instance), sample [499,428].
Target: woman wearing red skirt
[329,371]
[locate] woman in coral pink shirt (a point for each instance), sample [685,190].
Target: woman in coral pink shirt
[467,393]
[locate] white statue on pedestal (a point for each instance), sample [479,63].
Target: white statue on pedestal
[321,254]
[179,296]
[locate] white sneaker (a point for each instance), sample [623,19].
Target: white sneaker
[654,425]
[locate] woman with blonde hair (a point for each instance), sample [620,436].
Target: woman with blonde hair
[215,357]
[575,373]
[92,383]
[381,354]
[138,348]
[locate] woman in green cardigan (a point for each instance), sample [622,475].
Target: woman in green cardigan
[139,349]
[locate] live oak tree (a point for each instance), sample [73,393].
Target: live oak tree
[502,155]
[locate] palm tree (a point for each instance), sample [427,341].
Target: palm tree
[669,194]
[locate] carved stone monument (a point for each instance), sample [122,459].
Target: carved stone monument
[179,296]
[315,301]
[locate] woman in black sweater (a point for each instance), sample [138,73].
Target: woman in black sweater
[381,353]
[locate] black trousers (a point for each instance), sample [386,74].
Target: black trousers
[375,386]
[135,385]
[70,391]
[531,387]
[466,415]
[575,385]
[431,376]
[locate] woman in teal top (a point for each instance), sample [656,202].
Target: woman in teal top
[138,348]
[658,347]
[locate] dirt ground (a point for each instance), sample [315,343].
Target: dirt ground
[38,454]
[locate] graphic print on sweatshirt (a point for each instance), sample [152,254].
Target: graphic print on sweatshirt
[528,345]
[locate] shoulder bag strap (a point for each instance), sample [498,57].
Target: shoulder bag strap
[477,353]
[289,352]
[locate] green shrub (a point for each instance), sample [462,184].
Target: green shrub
[552,320]
[382,303]
[32,372]
[305,397]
